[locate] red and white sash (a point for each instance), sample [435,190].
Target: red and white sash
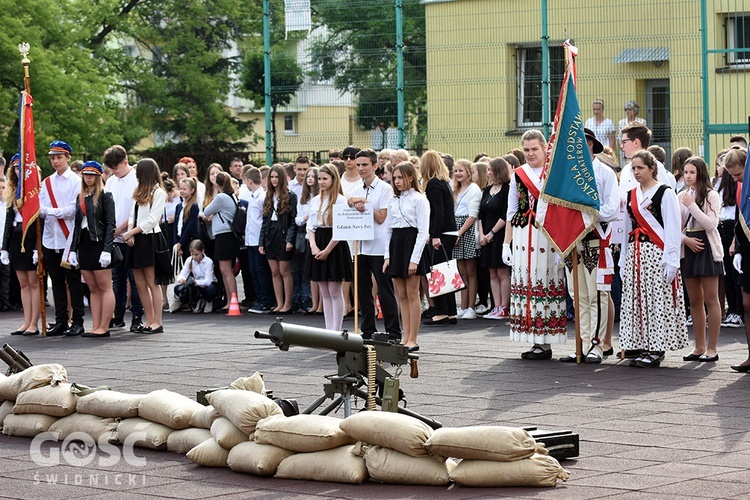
[647,223]
[63,225]
[529,179]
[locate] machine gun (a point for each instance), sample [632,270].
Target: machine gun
[360,365]
[16,360]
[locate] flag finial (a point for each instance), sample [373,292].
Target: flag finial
[24,49]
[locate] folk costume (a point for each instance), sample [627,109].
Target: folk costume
[653,310]
[537,289]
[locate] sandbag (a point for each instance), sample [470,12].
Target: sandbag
[112,404]
[204,417]
[501,444]
[52,400]
[91,425]
[226,434]
[390,430]
[253,383]
[258,459]
[168,408]
[184,440]
[390,466]
[302,433]
[28,425]
[143,433]
[243,408]
[537,470]
[31,378]
[338,465]
[5,409]
[209,454]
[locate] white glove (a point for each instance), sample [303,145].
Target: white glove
[737,262]
[73,259]
[42,211]
[507,255]
[670,272]
[4,258]
[105,259]
[35,257]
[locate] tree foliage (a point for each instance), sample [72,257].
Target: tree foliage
[358,53]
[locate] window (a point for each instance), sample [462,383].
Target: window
[290,125]
[738,37]
[529,78]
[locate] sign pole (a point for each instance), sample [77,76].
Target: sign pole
[356,286]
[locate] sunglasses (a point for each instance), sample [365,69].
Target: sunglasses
[348,157]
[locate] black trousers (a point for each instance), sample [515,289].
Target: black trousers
[60,277]
[370,266]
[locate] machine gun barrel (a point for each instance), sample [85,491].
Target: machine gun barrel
[16,360]
[284,335]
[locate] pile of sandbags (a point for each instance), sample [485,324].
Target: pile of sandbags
[34,399]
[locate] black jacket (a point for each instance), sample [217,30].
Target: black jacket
[100,220]
[286,220]
[442,211]
[10,217]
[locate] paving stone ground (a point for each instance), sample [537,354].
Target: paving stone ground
[679,431]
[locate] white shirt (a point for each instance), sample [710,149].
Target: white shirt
[411,209]
[468,200]
[601,131]
[201,193]
[122,192]
[348,187]
[295,187]
[318,211]
[606,184]
[255,200]
[513,193]
[203,271]
[65,187]
[149,215]
[169,208]
[379,194]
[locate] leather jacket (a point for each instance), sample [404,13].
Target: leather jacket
[100,220]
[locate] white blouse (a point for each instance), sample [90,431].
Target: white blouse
[468,200]
[410,209]
[318,211]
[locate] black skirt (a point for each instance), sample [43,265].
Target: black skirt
[89,252]
[701,264]
[338,264]
[143,252]
[275,243]
[22,261]
[401,246]
[491,255]
[226,247]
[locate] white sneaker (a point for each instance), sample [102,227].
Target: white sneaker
[734,321]
[469,314]
[460,313]
[209,307]
[482,309]
[199,306]
[493,314]
[725,320]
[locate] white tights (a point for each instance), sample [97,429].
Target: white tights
[333,304]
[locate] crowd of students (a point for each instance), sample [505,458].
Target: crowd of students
[658,231]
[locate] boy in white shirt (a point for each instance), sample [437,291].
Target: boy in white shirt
[255,195]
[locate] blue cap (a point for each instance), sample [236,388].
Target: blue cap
[92,167]
[60,148]
[16,160]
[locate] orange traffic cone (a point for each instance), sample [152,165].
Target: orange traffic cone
[377,306]
[234,307]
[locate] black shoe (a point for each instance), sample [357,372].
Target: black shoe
[29,334]
[74,331]
[149,331]
[57,330]
[367,336]
[629,354]
[705,359]
[741,368]
[433,322]
[17,332]
[692,357]
[116,323]
[136,326]
[414,348]
[537,352]
[570,358]
[90,335]
[608,352]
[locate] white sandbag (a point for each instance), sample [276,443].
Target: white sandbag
[226,434]
[52,400]
[338,465]
[86,425]
[537,470]
[143,433]
[204,417]
[31,378]
[110,404]
[253,383]
[501,444]
[390,466]
[258,459]
[184,440]
[209,454]
[243,408]
[27,425]
[5,409]
[390,430]
[302,433]
[168,408]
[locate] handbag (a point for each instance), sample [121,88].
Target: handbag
[175,303]
[163,263]
[444,278]
[300,240]
[117,256]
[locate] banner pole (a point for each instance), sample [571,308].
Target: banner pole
[576,307]
[356,286]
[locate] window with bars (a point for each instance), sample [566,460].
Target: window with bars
[738,37]
[529,86]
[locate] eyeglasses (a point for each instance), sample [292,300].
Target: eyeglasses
[626,140]
[628,109]
[348,157]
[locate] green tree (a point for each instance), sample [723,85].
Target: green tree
[358,53]
[286,78]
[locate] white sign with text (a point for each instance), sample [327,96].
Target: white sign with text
[351,224]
